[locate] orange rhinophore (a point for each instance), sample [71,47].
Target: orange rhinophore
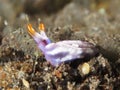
[41,27]
[31,31]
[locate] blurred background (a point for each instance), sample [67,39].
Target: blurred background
[56,12]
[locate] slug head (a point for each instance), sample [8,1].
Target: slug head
[40,38]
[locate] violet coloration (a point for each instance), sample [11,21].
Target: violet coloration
[62,51]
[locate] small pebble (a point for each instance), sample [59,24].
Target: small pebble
[26,83]
[85,68]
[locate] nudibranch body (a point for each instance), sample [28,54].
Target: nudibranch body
[62,51]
